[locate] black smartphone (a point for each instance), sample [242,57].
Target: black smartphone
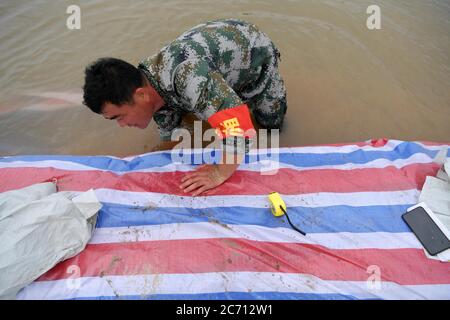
[426,230]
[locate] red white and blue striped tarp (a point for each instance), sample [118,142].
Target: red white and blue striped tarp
[154,242]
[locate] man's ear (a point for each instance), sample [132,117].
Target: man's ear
[140,93]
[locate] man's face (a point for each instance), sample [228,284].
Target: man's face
[136,114]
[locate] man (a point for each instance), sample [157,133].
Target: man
[217,71]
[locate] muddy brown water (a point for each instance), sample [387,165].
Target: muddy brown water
[344,81]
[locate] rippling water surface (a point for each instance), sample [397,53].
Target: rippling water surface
[344,82]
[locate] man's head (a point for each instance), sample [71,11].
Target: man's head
[118,90]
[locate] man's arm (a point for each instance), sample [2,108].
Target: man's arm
[211,98]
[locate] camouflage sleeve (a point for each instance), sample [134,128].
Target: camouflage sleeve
[204,89]
[167,119]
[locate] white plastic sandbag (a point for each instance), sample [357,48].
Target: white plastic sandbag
[40,227]
[436,194]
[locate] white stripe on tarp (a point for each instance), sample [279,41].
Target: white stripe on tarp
[389,146]
[309,200]
[216,229]
[142,285]
[264,166]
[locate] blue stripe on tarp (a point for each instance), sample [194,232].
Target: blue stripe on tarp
[402,151]
[229,296]
[310,220]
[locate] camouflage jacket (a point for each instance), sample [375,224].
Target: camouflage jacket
[209,68]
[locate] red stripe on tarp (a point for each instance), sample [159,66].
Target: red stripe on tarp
[286,181]
[239,255]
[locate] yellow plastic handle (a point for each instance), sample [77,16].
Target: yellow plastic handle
[275,203]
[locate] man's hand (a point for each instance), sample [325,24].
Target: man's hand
[209,176]
[206,177]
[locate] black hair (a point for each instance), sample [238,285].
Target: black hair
[110,80]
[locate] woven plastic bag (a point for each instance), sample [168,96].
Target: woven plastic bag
[40,227]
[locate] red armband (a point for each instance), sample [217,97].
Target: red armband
[233,122]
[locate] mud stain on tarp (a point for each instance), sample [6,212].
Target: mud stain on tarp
[277,265]
[152,281]
[231,243]
[311,285]
[215,221]
[148,207]
[226,282]
[133,231]
[111,266]
[112,287]
[156,283]
[206,213]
